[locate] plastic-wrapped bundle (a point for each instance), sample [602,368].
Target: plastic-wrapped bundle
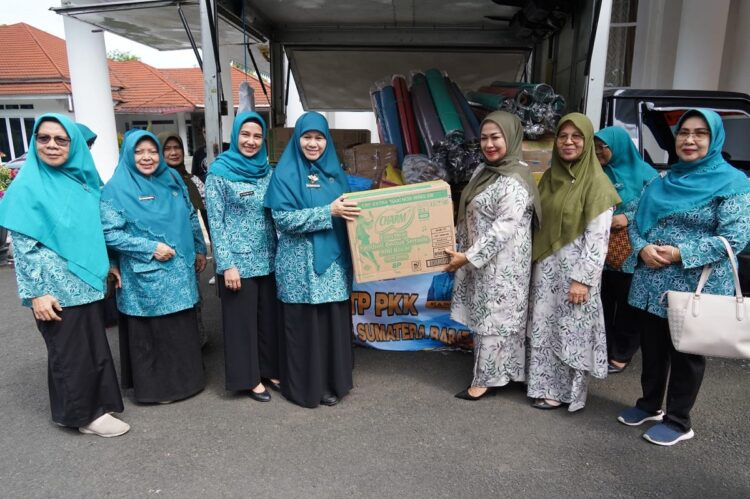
[458,157]
[419,168]
[490,101]
[540,92]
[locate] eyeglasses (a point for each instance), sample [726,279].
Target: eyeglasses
[576,137]
[60,141]
[700,134]
[598,149]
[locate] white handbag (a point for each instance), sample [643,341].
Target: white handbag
[712,325]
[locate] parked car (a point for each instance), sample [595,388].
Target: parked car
[649,116]
[17,163]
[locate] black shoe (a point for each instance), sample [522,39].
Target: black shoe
[271,384]
[329,400]
[263,396]
[465,395]
[613,369]
[544,405]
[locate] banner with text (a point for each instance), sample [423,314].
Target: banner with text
[409,313]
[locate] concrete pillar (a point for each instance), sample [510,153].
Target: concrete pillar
[226,84]
[92,93]
[213,123]
[598,68]
[700,44]
[182,130]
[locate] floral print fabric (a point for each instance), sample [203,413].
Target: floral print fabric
[566,342]
[490,293]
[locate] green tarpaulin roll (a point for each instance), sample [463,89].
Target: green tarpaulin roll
[443,103]
[490,101]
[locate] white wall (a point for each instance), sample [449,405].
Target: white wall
[735,67]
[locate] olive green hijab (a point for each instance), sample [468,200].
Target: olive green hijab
[572,193]
[509,165]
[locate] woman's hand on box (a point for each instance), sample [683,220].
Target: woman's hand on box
[458,260]
[342,208]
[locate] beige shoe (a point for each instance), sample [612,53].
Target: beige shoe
[105,426]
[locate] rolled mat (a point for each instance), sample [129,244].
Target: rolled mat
[520,95]
[392,125]
[469,133]
[406,115]
[464,106]
[377,108]
[425,114]
[489,101]
[443,104]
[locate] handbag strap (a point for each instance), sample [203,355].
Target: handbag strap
[708,268]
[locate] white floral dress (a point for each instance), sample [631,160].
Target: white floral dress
[566,342]
[490,294]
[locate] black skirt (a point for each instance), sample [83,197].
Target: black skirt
[251,319]
[160,356]
[316,352]
[81,375]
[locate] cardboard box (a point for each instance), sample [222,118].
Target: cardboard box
[370,160]
[278,138]
[538,153]
[401,231]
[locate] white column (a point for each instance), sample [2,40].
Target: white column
[92,93]
[182,129]
[598,68]
[213,124]
[700,44]
[226,85]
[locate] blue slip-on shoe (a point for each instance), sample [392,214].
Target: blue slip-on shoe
[633,416]
[663,434]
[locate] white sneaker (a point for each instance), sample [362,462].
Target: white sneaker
[105,426]
[212,280]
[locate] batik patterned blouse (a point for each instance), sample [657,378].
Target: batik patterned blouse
[40,271]
[694,233]
[296,279]
[242,230]
[150,288]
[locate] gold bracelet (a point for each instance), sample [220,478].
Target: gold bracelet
[674,259]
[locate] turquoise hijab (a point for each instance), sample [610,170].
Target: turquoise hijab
[158,203]
[627,170]
[690,185]
[233,165]
[59,206]
[289,191]
[88,135]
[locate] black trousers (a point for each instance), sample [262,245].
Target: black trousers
[81,376]
[252,323]
[621,321]
[666,369]
[316,351]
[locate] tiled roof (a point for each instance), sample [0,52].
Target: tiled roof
[36,63]
[190,80]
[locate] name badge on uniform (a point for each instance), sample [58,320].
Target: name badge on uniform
[146,198]
[313,181]
[246,193]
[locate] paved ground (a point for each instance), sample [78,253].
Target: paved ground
[399,434]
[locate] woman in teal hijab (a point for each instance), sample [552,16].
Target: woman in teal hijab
[307,196]
[52,211]
[629,174]
[153,232]
[244,246]
[674,234]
